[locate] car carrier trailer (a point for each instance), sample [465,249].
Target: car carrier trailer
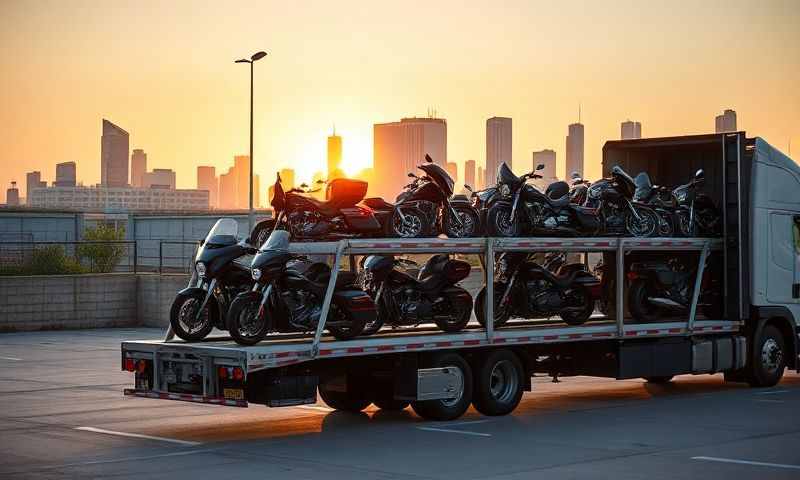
[441,374]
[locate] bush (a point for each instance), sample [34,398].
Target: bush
[46,260]
[102,258]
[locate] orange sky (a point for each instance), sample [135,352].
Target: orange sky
[164,71]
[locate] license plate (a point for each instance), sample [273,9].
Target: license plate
[233,393]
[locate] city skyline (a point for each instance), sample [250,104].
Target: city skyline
[301,87]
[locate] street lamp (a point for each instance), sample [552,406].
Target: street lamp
[251,217]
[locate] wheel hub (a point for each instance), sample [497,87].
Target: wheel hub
[771,355]
[503,381]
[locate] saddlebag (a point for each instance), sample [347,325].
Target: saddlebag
[360,219]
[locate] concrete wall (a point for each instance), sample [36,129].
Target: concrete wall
[67,301]
[154,297]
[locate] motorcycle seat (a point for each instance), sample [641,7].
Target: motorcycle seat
[342,280]
[560,281]
[559,202]
[329,209]
[377,203]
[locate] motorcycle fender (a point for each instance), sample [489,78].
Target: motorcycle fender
[357,303]
[458,293]
[591,282]
[360,219]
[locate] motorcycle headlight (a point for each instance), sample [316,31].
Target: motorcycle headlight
[680,195]
[505,190]
[200,268]
[256,273]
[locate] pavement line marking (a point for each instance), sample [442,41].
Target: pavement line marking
[139,435]
[13,359]
[771,392]
[318,408]
[748,462]
[450,430]
[123,459]
[468,422]
[769,400]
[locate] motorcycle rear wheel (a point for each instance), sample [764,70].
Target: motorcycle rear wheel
[354,329]
[641,309]
[460,313]
[501,315]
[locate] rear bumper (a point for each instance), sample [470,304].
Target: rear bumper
[185,397]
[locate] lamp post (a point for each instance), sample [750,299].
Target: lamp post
[251,216]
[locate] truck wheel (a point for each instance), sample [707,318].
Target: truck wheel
[767,360]
[448,408]
[346,401]
[498,383]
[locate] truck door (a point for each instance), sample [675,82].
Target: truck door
[783,272]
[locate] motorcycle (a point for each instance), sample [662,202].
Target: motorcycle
[658,287]
[425,207]
[288,295]
[578,188]
[221,272]
[522,209]
[612,199]
[307,218]
[481,201]
[406,300]
[696,212]
[523,288]
[660,199]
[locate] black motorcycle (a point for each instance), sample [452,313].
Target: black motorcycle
[406,300]
[663,286]
[523,288]
[578,189]
[481,201]
[221,272]
[288,297]
[612,199]
[308,218]
[425,207]
[660,199]
[522,209]
[697,215]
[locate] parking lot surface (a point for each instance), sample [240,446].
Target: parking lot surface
[63,416]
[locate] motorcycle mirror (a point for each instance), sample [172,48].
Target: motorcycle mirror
[468,187]
[303,185]
[411,175]
[428,158]
[540,166]
[700,175]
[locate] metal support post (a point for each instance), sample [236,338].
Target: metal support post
[326,304]
[489,270]
[696,292]
[160,255]
[620,279]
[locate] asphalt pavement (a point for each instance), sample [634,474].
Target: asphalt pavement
[63,416]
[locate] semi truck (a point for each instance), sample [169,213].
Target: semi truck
[441,374]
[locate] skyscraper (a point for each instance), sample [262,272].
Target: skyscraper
[113,156]
[33,180]
[159,178]
[575,149]
[498,144]
[12,195]
[452,170]
[65,174]
[469,173]
[725,122]
[234,186]
[400,146]
[547,158]
[334,156]
[481,184]
[138,166]
[207,180]
[630,130]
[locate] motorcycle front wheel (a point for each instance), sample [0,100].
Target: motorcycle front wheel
[469,223]
[458,314]
[587,308]
[184,320]
[245,324]
[499,223]
[343,325]
[644,226]
[639,305]
[412,223]
[501,315]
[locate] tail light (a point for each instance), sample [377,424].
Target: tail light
[223,372]
[238,374]
[130,364]
[632,275]
[141,366]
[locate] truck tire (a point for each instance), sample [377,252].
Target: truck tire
[767,359]
[390,404]
[659,380]
[499,382]
[348,401]
[451,408]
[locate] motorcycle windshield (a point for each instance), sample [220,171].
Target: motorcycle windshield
[625,180]
[277,241]
[225,232]
[439,177]
[505,175]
